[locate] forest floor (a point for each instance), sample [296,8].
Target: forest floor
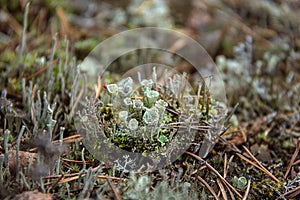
[256,48]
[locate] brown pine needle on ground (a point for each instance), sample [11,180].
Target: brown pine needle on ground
[216,172]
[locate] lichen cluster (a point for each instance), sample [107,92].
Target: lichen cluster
[139,117]
[147,116]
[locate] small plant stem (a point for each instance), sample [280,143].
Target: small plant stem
[61,136]
[17,152]
[87,182]
[54,43]
[1,175]
[42,185]
[74,89]
[23,42]
[24,180]
[83,160]
[6,135]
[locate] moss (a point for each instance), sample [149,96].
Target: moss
[267,188]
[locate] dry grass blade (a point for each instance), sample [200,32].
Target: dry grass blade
[225,166]
[70,177]
[222,189]
[216,172]
[261,166]
[70,139]
[57,181]
[65,180]
[293,159]
[208,187]
[257,166]
[98,87]
[40,71]
[76,161]
[249,161]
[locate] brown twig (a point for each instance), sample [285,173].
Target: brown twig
[71,178]
[260,165]
[40,71]
[296,152]
[225,165]
[74,176]
[56,182]
[257,166]
[70,139]
[208,187]
[247,190]
[222,189]
[75,161]
[216,172]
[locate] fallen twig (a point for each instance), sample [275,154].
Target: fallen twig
[296,152]
[261,167]
[208,187]
[247,190]
[216,172]
[76,161]
[222,189]
[74,176]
